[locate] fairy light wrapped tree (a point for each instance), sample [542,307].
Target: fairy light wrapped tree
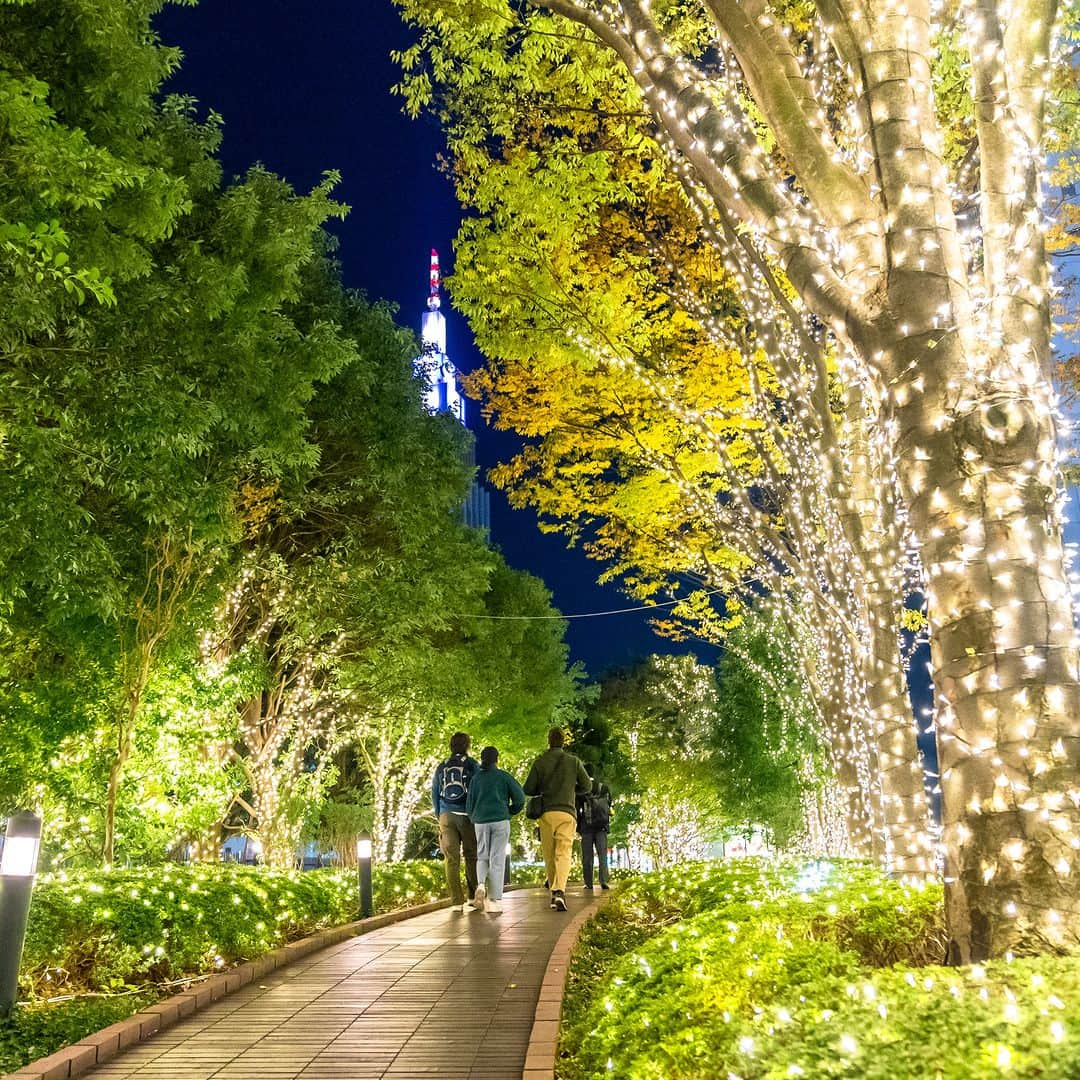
[823,166]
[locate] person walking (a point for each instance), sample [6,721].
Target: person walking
[556,777]
[494,798]
[457,837]
[593,822]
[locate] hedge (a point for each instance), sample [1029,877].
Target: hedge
[108,943]
[768,971]
[95,931]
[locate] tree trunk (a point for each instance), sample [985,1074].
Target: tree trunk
[112,794]
[980,486]
[206,845]
[973,436]
[124,733]
[169,580]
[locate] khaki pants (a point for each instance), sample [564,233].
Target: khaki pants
[457,836]
[557,829]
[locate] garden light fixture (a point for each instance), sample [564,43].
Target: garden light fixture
[363,859]
[18,864]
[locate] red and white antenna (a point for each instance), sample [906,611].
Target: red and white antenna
[433,294]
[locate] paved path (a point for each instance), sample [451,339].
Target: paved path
[444,995]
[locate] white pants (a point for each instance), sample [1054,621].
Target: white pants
[491,840]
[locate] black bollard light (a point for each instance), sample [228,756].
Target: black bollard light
[506,866]
[18,863]
[363,859]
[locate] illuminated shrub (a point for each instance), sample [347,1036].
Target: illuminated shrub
[764,971]
[99,930]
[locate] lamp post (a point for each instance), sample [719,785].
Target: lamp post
[18,864]
[363,860]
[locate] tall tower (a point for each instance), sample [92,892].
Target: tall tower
[440,376]
[441,391]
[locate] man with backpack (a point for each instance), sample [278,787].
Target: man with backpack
[593,821]
[556,777]
[449,794]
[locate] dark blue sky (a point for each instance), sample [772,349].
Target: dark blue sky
[305,87]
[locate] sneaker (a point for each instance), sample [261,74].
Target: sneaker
[493,907]
[467,907]
[605,887]
[554,906]
[558,902]
[479,897]
[591,887]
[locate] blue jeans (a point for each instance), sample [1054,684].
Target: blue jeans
[491,840]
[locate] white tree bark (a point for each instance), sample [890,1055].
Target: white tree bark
[399,767]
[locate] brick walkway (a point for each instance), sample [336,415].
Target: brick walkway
[442,995]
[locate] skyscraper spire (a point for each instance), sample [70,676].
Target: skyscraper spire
[433,295]
[442,393]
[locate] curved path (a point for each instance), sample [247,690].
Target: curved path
[443,996]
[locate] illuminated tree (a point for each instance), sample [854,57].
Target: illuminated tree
[360,617]
[810,142]
[494,667]
[767,742]
[663,713]
[691,756]
[661,434]
[153,351]
[225,505]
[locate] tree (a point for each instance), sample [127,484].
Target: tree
[660,434]
[816,167]
[768,740]
[692,758]
[495,668]
[664,711]
[355,603]
[152,357]
[233,530]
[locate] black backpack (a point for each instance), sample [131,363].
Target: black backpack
[594,810]
[455,780]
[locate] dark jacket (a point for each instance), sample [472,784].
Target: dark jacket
[558,777]
[594,809]
[494,795]
[448,806]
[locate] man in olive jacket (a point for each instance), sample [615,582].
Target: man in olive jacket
[557,778]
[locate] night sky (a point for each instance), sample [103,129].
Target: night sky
[304,88]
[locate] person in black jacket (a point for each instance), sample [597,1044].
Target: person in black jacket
[593,822]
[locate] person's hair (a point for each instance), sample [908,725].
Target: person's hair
[488,756]
[556,737]
[459,743]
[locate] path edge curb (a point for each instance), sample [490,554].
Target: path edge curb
[99,1046]
[544,1037]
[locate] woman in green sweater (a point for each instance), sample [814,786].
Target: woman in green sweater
[494,798]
